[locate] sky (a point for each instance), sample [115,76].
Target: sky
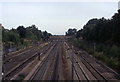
[119,5]
[55,17]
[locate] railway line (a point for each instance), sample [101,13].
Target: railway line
[26,59]
[80,63]
[8,58]
[54,73]
[93,70]
[18,51]
[61,61]
[39,73]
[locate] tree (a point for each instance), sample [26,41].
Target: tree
[45,35]
[116,27]
[101,30]
[71,32]
[22,31]
[79,33]
[33,30]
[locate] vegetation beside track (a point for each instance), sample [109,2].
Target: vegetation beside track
[109,54]
[23,37]
[100,38]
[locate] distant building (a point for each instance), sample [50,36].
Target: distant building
[6,30]
[118,5]
[1,26]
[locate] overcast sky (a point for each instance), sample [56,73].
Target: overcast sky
[55,17]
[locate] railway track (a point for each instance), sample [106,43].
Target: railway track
[60,62]
[94,72]
[40,73]
[8,57]
[102,72]
[22,64]
[19,53]
[54,73]
[48,69]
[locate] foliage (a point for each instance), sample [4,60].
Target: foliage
[23,36]
[45,35]
[22,31]
[11,37]
[100,30]
[71,32]
[33,33]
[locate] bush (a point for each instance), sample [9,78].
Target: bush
[100,56]
[90,50]
[99,48]
[114,51]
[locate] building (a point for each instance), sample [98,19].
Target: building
[1,26]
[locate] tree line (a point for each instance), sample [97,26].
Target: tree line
[100,38]
[22,35]
[100,30]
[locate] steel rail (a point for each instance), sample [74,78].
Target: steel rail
[20,65]
[43,62]
[96,70]
[54,66]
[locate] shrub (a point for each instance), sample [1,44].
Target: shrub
[114,51]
